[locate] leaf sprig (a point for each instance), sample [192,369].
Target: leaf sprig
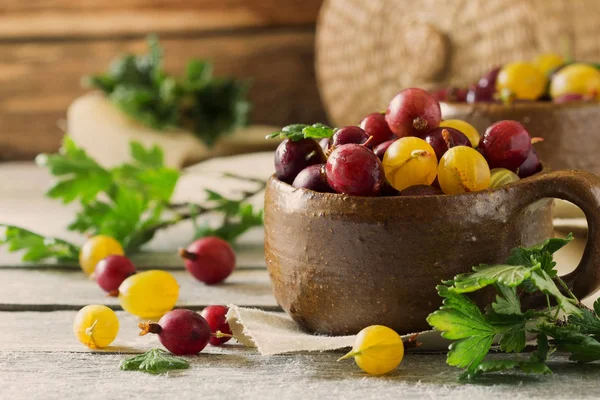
[505,324]
[297,132]
[37,247]
[155,361]
[198,101]
[129,202]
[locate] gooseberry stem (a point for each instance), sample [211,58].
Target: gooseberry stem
[350,354]
[219,334]
[89,331]
[149,327]
[411,342]
[188,255]
[448,138]
[368,142]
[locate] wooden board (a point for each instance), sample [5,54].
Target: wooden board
[32,290]
[38,80]
[69,18]
[40,359]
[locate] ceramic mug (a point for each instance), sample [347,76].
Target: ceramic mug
[340,263]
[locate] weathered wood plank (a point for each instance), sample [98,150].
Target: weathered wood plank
[38,81]
[71,18]
[239,373]
[28,289]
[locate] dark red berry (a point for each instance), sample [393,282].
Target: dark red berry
[182,332]
[349,134]
[413,112]
[210,259]
[216,316]
[355,170]
[440,145]
[531,165]
[382,148]
[111,271]
[485,88]
[376,127]
[292,157]
[313,178]
[505,144]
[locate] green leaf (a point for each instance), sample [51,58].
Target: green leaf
[207,106]
[461,320]
[155,362]
[488,366]
[583,348]
[513,341]
[587,322]
[81,178]
[507,302]
[37,247]
[151,158]
[546,285]
[297,132]
[597,306]
[484,275]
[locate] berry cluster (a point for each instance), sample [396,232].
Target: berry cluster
[153,294]
[548,77]
[408,150]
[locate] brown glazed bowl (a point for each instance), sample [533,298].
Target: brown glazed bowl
[340,263]
[569,130]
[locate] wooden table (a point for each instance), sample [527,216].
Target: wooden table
[40,358]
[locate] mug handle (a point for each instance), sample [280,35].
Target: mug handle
[582,189]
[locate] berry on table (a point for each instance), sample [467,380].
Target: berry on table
[506,144]
[95,249]
[96,326]
[377,350]
[149,294]
[292,157]
[216,316]
[355,170]
[409,161]
[522,80]
[210,260]
[182,332]
[412,112]
[111,271]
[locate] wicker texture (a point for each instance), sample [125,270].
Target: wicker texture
[368,50]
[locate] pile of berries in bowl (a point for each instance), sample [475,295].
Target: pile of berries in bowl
[549,77]
[408,151]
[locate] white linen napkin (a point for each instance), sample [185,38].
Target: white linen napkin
[274,333]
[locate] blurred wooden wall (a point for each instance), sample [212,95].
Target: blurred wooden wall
[47,45]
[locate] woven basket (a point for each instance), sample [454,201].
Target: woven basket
[369,50]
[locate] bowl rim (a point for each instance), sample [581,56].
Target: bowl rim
[543,105]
